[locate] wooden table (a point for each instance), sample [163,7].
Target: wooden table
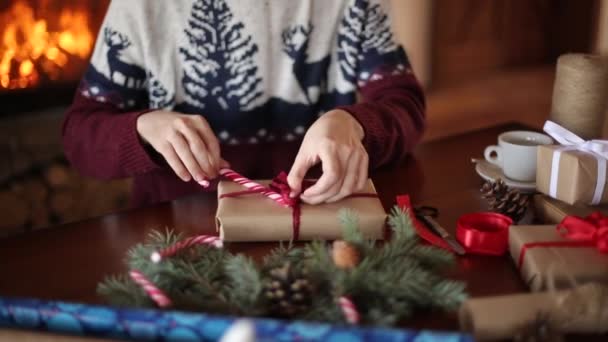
[67,262]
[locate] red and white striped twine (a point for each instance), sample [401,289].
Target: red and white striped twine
[349,309]
[186,243]
[251,185]
[156,294]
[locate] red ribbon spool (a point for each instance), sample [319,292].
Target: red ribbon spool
[484,233]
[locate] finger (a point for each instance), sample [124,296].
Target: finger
[363,172]
[350,178]
[297,173]
[174,162]
[330,180]
[199,150]
[224,164]
[185,155]
[213,145]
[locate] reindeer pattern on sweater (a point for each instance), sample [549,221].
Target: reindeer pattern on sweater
[256,70]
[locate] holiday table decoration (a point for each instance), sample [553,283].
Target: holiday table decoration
[574,172]
[263,211]
[549,210]
[580,93]
[504,200]
[163,325]
[355,281]
[484,233]
[582,309]
[576,249]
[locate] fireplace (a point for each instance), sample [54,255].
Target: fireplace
[44,50]
[45,46]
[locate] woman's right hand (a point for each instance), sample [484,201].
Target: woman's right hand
[187,143]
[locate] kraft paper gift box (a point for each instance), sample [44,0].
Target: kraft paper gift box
[562,263]
[549,210]
[583,309]
[577,175]
[254,217]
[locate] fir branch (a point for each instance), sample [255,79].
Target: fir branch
[350,226]
[448,294]
[121,291]
[401,224]
[433,257]
[351,232]
[244,283]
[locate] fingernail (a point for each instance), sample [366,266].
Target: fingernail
[204,183]
[293,194]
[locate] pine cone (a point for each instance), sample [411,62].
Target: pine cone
[288,290]
[505,200]
[345,255]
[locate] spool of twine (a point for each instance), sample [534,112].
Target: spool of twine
[580,94]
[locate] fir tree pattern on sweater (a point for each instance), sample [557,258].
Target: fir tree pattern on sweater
[256,74]
[220,74]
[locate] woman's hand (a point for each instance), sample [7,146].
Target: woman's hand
[335,141]
[185,141]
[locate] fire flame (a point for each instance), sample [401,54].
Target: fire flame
[30,49]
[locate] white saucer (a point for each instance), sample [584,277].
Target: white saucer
[491,172]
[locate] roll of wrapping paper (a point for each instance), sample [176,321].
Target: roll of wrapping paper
[157,325]
[580,94]
[583,309]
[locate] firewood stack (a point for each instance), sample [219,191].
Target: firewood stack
[55,194]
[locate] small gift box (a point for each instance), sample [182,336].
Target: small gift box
[582,309]
[252,216]
[574,172]
[549,210]
[574,251]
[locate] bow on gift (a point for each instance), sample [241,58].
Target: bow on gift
[592,229]
[571,141]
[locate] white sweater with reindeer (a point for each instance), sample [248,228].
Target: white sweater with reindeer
[258,71]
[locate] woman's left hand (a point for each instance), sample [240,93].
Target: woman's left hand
[335,141]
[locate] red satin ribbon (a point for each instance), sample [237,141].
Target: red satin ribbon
[484,233]
[279,184]
[591,231]
[404,202]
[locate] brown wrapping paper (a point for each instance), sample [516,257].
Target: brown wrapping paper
[257,218]
[577,175]
[563,264]
[551,211]
[580,310]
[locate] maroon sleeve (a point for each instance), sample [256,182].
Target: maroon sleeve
[392,113]
[101,141]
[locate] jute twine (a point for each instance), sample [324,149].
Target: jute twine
[580,94]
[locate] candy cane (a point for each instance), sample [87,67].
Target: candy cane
[186,243]
[349,310]
[157,295]
[251,185]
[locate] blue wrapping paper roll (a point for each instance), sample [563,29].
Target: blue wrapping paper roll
[156,325]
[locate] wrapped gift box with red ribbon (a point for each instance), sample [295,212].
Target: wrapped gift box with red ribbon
[263,211]
[573,252]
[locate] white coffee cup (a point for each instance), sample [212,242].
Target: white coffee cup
[516,154]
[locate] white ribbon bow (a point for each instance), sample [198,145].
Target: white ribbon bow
[571,141]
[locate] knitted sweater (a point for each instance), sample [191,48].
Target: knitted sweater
[259,72]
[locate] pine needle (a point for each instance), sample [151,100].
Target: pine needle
[401,223]
[245,282]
